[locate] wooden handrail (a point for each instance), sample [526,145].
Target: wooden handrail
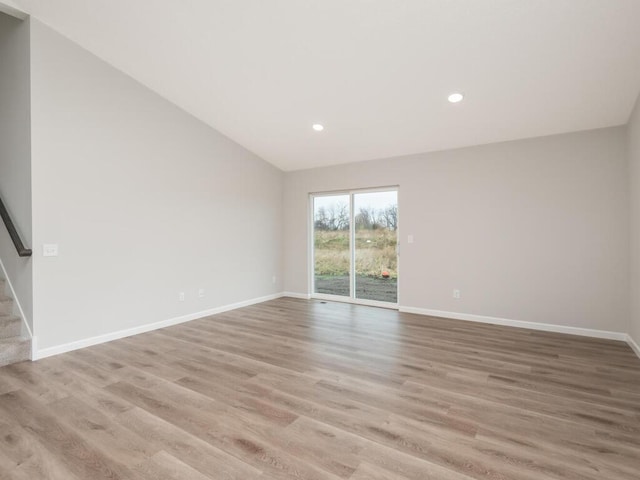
[13,233]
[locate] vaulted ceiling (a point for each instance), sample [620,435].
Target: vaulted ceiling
[375,73]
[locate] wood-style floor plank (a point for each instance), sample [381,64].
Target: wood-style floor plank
[295,389]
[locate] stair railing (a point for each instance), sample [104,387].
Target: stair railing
[13,233]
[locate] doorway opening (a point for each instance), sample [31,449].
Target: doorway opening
[354,248]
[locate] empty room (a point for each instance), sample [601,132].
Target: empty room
[320,240]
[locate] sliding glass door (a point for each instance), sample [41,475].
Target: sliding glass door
[355,236]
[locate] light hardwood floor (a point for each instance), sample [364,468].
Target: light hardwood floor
[310,390]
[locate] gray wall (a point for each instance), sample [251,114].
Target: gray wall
[15,153]
[143,200]
[634,176]
[534,230]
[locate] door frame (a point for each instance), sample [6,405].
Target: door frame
[352,231]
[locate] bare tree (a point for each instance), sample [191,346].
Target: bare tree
[364,219]
[334,217]
[321,220]
[390,217]
[342,216]
[369,218]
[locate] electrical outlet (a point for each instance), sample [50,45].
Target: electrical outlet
[201,293]
[456,294]
[273,279]
[181,296]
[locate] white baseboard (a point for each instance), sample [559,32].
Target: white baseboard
[547,327]
[107,337]
[303,296]
[16,300]
[634,346]
[67,347]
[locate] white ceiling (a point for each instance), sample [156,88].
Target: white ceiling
[376,73]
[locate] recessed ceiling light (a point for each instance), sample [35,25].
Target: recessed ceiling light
[317,127]
[456,97]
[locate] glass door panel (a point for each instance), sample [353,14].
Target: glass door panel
[332,244]
[375,219]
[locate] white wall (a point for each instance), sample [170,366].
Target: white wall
[15,153]
[10,7]
[634,177]
[143,200]
[533,230]
[146,201]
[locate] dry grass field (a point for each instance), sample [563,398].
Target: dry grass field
[375,253]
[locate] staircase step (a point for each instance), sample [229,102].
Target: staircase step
[6,304]
[14,347]
[14,350]
[10,326]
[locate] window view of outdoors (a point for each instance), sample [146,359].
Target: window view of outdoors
[331,244]
[375,240]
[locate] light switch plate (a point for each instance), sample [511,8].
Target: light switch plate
[50,250]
